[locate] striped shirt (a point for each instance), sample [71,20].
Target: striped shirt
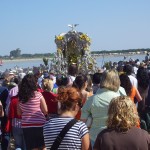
[32,115]
[72,139]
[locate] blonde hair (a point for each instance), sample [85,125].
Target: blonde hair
[122,114]
[47,85]
[110,80]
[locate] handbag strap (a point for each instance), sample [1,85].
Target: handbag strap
[62,134]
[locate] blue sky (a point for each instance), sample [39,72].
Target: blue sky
[31,25]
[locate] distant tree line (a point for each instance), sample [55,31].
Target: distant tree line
[17,53]
[120,51]
[37,55]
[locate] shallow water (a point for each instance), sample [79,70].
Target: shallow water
[30,63]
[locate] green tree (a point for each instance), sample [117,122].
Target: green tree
[15,53]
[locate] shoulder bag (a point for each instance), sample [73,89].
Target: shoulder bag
[62,134]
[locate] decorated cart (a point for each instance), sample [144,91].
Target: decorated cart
[73,48]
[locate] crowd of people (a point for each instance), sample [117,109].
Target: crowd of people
[107,110]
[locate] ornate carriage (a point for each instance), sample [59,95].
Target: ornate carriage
[73,48]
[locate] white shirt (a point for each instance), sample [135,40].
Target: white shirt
[133,81]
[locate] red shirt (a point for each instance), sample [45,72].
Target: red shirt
[52,103]
[13,108]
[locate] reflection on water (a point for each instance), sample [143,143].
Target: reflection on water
[100,61]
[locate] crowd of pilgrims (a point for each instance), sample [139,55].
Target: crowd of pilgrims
[106,110]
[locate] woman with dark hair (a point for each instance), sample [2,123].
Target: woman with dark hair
[128,69]
[125,83]
[131,90]
[32,107]
[80,83]
[122,131]
[77,136]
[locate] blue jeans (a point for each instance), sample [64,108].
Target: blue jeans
[19,138]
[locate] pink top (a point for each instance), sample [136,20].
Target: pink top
[32,115]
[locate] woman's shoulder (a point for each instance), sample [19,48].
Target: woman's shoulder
[140,131]
[63,120]
[37,93]
[84,94]
[81,123]
[58,119]
[122,91]
[51,94]
[131,132]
